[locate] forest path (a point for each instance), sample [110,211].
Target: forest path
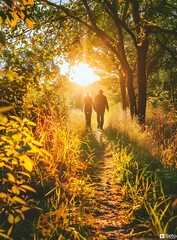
[109,217]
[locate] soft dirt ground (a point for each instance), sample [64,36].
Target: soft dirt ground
[109,216]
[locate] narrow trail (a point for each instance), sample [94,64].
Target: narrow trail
[109,217]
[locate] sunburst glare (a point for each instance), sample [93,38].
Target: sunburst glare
[81,74]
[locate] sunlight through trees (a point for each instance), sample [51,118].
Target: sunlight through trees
[61,178]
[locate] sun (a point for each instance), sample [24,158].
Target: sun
[82,74]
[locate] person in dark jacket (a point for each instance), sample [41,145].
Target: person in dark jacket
[88,106]
[100,104]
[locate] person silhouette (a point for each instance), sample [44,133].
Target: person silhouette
[100,104]
[88,106]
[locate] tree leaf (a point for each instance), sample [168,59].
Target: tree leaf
[10,230]
[10,76]
[4,236]
[22,15]
[26,162]
[19,200]
[2,72]
[45,152]
[28,122]
[28,188]
[1,163]
[24,209]
[37,143]
[29,23]
[3,195]
[6,109]
[11,22]
[10,218]
[3,119]
[17,219]
[11,178]
[24,174]
[15,190]
[28,2]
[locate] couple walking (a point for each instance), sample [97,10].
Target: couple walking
[99,105]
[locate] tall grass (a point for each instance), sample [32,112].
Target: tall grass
[163,127]
[147,174]
[66,187]
[159,139]
[61,192]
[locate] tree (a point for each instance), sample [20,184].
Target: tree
[128,29]
[25,64]
[125,28]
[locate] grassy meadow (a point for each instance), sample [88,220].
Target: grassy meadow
[46,168]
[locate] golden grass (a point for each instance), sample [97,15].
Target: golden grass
[159,137]
[145,160]
[65,183]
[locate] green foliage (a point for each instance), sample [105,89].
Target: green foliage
[12,90]
[146,196]
[13,11]
[45,103]
[161,217]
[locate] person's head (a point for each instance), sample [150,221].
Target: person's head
[87,94]
[101,91]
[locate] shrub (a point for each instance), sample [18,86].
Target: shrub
[18,148]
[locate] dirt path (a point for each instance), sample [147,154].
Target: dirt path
[109,217]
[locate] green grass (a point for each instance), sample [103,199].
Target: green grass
[148,188]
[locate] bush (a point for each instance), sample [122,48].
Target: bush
[18,148]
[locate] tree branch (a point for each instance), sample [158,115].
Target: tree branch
[118,22]
[172,53]
[106,39]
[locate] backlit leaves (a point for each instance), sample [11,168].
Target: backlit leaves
[19,200]
[26,187]
[26,162]
[11,178]
[29,23]
[15,190]
[9,74]
[5,236]
[10,219]
[28,2]
[3,195]
[17,147]
[12,18]
[5,109]
[14,11]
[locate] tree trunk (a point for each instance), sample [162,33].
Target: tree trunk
[122,79]
[142,54]
[127,71]
[131,94]
[142,47]
[172,89]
